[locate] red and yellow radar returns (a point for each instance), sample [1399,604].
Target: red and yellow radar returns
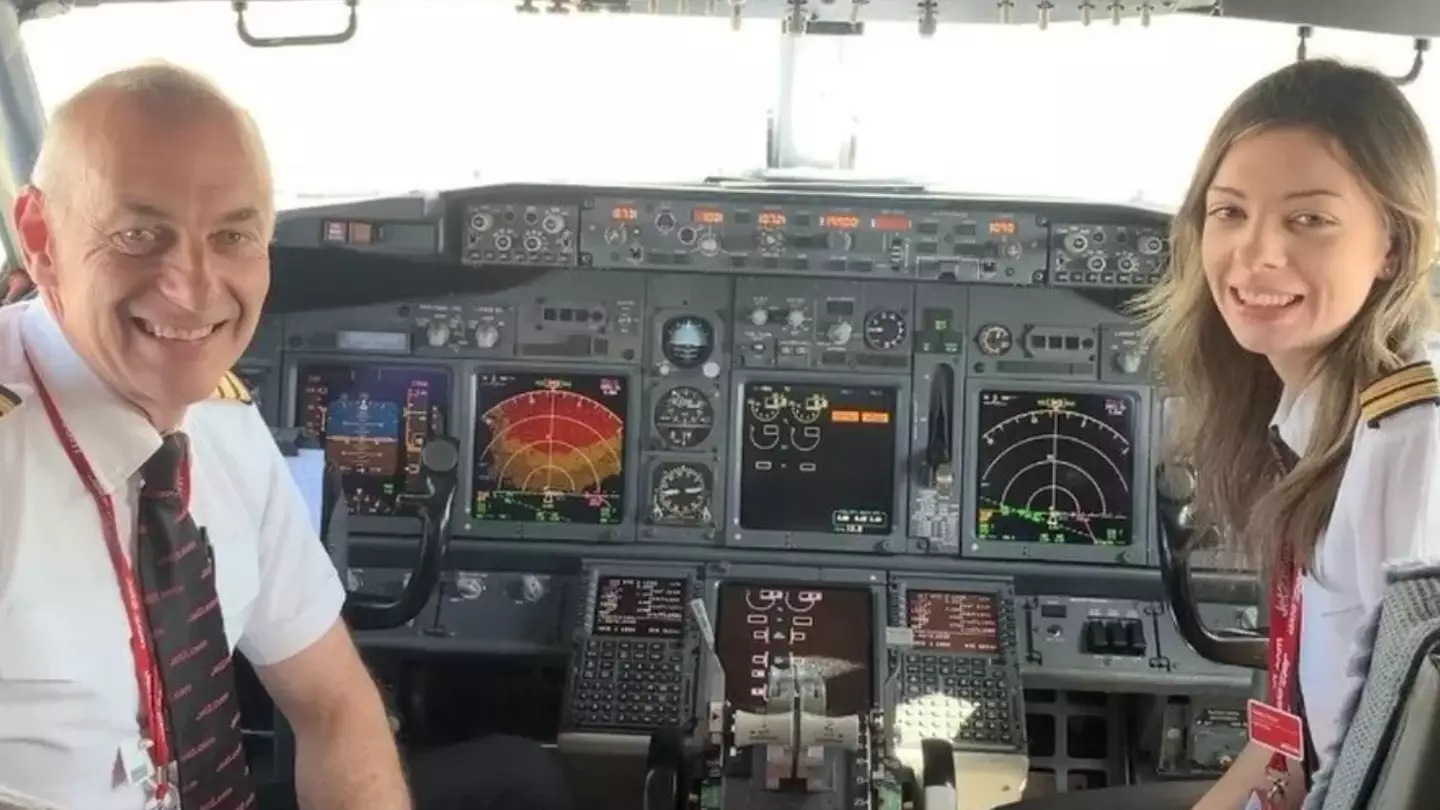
[552,440]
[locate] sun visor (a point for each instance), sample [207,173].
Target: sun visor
[307,279]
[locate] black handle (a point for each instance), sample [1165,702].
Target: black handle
[345,35]
[937,777]
[665,770]
[1238,648]
[439,463]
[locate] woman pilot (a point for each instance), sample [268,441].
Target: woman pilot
[1293,325]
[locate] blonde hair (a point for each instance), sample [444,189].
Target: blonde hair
[1228,395]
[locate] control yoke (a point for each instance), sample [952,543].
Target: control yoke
[1241,648]
[439,463]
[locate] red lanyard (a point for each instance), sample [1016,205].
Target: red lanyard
[147,673]
[1285,595]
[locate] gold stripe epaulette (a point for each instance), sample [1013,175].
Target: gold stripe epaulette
[9,401]
[1403,388]
[233,389]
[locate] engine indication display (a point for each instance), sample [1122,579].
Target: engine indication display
[646,607]
[374,420]
[954,622]
[550,448]
[816,458]
[1056,468]
[824,632]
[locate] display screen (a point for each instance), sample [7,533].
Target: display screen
[374,420]
[826,631]
[646,607]
[954,622]
[1055,468]
[549,448]
[817,458]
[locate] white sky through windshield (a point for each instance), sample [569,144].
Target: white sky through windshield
[450,93]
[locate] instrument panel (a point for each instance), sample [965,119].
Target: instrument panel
[824,372]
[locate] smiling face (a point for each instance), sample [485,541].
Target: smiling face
[1292,244]
[151,248]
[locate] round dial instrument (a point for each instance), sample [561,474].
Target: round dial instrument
[684,417]
[687,341]
[681,493]
[994,340]
[885,329]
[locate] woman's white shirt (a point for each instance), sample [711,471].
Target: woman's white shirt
[1386,511]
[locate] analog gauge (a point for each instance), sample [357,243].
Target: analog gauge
[681,494]
[809,410]
[885,329]
[684,417]
[687,341]
[994,340]
[765,406]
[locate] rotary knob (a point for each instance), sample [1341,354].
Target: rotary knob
[527,589]
[759,316]
[1128,362]
[795,318]
[437,334]
[486,336]
[839,333]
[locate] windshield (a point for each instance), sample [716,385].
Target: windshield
[437,94]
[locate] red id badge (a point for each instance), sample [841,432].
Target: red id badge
[1281,732]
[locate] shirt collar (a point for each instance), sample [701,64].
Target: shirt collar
[1295,415]
[115,438]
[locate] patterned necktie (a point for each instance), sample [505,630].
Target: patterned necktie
[176,569]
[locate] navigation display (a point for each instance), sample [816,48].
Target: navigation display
[945,621]
[817,458]
[550,448]
[374,420]
[645,607]
[1055,468]
[825,631]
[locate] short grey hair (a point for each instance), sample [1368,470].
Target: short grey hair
[161,89]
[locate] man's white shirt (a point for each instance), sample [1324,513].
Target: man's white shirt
[68,696]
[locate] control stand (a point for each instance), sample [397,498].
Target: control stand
[790,753]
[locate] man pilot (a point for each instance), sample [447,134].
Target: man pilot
[148,528]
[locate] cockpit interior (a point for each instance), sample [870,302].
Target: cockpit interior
[750,476]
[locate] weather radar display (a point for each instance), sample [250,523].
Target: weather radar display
[1055,468]
[550,448]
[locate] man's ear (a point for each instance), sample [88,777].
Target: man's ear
[33,230]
